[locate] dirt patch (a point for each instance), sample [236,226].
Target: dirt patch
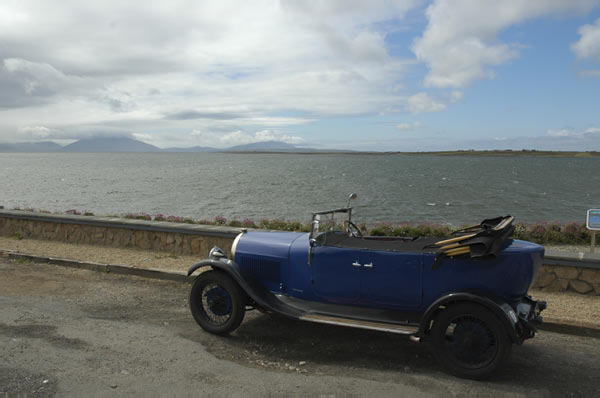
[45,332]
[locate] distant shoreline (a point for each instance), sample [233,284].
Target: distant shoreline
[494,153]
[502,153]
[128,145]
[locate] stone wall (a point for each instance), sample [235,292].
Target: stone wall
[184,242]
[558,278]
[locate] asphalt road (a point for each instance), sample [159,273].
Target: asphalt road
[74,332]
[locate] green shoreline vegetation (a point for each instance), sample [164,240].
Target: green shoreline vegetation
[462,152]
[572,233]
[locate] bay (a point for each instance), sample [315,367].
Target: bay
[392,188]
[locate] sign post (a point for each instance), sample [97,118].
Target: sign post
[593,224]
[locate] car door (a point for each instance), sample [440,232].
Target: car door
[391,279]
[336,273]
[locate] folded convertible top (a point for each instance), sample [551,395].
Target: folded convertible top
[484,239]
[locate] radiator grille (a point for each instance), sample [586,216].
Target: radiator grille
[262,269]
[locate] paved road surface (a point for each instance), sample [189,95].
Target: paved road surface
[74,332]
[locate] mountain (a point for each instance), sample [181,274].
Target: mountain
[192,149]
[122,144]
[110,144]
[46,146]
[262,146]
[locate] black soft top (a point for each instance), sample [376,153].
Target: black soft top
[484,239]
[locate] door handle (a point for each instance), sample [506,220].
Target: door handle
[370,265]
[356,264]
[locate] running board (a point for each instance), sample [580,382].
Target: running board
[355,323]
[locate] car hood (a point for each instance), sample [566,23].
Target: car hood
[266,244]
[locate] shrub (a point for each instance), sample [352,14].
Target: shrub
[248,223]
[138,216]
[160,217]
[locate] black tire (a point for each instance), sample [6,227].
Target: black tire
[217,302]
[470,341]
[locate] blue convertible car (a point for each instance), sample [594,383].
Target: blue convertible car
[466,295]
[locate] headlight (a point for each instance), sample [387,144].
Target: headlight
[215,252]
[234,245]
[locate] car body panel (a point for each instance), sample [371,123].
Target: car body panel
[395,280]
[334,277]
[265,257]
[507,276]
[391,279]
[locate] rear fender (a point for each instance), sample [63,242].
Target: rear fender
[502,310]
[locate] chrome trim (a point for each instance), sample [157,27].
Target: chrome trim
[355,323]
[235,243]
[217,253]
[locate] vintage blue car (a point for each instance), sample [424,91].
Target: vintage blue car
[466,295]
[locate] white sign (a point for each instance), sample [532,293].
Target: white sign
[593,219]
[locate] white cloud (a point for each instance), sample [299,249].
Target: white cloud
[408,126]
[131,63]
[422,102]
[36,132]
[460,43]
[560,133]
[239,137]
[456,96]
[565,132]
[42,79]
[588,46]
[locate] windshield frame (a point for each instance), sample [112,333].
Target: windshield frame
[316,219]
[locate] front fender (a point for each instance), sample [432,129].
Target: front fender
[257,292]
[204,263]
[502,310]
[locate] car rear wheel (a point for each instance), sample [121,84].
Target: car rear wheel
[470,341]
[217,302]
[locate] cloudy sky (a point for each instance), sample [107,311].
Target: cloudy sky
[349,74]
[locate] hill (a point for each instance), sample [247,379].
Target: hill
[46,146]
[192,149]
[262,146]
[110,144]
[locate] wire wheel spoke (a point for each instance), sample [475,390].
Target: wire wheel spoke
[216,303]
[470,341]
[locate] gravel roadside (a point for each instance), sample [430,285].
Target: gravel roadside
[75,333]
[99,254]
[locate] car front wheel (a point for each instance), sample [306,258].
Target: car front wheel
[217,302]
[469,341]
